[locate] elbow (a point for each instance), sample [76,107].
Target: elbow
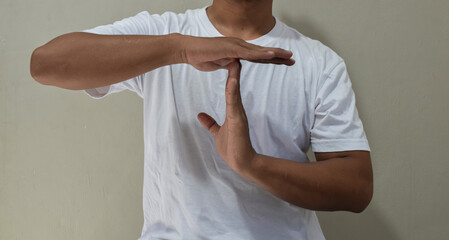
[363,198]
[52,64]
[38,69]
[47,66]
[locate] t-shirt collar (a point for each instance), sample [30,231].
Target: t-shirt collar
[273,34]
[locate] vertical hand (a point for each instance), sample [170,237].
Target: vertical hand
[232,139]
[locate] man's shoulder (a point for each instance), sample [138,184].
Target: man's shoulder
[176,15]
[310,48]
[170,21]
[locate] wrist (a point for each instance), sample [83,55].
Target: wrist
[177,43]
[252,166]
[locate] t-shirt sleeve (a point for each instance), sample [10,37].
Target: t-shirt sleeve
[337,126]
[137,25]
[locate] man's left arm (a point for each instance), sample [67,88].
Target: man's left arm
[337,181]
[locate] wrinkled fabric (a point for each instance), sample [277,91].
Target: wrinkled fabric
[189,192]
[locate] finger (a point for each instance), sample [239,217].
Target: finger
[282,53]
[266,57]
[252,54]
[268,52]
[233,98]
[278,61]
[208,123]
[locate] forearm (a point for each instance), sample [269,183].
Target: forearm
[82,60]
[330,185]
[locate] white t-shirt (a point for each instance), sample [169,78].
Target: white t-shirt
[189,191]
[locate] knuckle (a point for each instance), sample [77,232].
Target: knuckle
[247,54]
[230,101]
[237,123]
[228,91]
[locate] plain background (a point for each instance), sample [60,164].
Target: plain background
[71,167]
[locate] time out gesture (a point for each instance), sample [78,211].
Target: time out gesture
[337,181]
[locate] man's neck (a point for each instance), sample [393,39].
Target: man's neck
[245,19]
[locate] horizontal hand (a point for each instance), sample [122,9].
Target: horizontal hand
[209,54]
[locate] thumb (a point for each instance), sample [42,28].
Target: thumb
[208,123]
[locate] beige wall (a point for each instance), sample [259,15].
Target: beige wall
[71,167]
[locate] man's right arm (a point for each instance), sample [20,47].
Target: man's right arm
[83,60]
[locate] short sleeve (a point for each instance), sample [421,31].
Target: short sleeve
[337,126]
[136,25]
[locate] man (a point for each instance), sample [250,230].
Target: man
[227,121]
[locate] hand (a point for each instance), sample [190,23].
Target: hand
[209,54]
[232,139]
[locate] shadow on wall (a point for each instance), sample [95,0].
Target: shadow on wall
[369,225]
[306,27]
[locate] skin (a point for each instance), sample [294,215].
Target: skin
[242,19]
[337,181]
[82,60]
